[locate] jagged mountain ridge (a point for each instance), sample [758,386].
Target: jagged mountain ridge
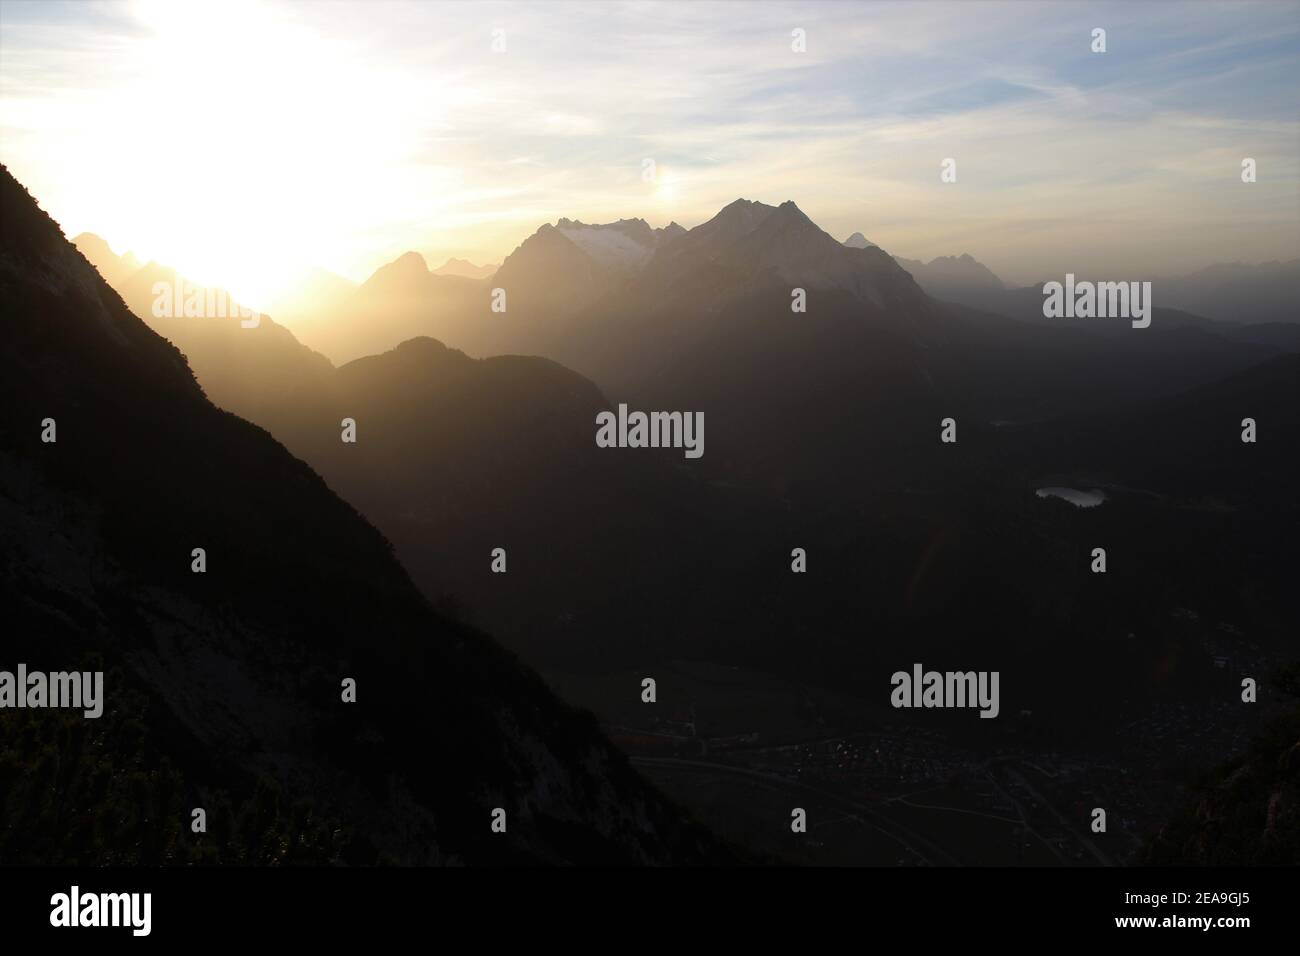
[251,366]
[572,273]
[952,277]
[708,313]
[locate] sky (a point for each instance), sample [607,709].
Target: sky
[243,142]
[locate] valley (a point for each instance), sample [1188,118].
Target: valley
[823,435]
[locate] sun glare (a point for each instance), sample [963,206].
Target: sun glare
[267,120]
[665,193]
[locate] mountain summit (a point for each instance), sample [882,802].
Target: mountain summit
[749,244]
[406,271]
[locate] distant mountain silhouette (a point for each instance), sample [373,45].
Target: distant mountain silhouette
[750,243]
[309,295]
[114,268]
[694,318]
[566,272]
[400,300]
[477,454]
[465,269]
[708,317]
[250,371]
[954,278]
[1230,295]
[528,274]
[951,278]
[233,676]
[1234,292]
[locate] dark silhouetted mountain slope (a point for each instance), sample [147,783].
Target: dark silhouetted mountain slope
[1246,812]
[1190,445]
[1238,292]
[251,366]
[114,268]
[235,673]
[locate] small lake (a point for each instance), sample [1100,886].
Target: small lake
[1082,499]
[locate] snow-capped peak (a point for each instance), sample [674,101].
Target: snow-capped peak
[625,244]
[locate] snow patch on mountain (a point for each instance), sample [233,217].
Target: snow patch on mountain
[611,244]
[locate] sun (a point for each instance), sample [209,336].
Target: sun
[665,193]
[252,133]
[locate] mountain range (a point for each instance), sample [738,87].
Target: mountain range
[1224,296]
[223,687]
[682,319]
[476,432]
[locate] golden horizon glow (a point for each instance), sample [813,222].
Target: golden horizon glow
[244,143]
